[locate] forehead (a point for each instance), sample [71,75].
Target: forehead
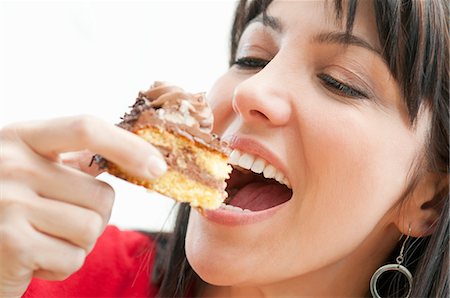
[309,16]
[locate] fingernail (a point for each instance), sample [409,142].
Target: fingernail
[157,166]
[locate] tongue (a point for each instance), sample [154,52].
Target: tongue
[259,196]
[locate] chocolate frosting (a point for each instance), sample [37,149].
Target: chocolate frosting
[176,105]
[184,113]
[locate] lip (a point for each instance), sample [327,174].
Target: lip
[233,218]
[248,145]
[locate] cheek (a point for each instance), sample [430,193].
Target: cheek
[366,156]
[220,97]
[356,160]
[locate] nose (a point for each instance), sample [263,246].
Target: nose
[262,99]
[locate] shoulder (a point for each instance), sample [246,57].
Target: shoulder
[120,265]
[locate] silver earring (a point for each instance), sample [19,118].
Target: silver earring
[392,267]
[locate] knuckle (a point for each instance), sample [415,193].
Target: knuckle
[12,246]
[5,156]
[14,163]
[91,229]
[83,127]
[11,209]
[107,194]
[8,132]
[16,169]
[104,195]
[8,153]
[71,264]
[16,201]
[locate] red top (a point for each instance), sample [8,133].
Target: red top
[119,266]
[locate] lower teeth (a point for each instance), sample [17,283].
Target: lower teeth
[234,208]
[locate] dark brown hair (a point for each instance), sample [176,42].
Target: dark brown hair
[415,40]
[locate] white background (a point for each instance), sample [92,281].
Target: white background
[61,58]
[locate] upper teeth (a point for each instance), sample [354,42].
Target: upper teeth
[257,165]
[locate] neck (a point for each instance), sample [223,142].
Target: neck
[348,277]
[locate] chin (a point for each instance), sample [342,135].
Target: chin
[217,260]
[213,270]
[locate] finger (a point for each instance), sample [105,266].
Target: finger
[128,151]
[56,256]
[57,218]
[62,183]
[28,250]
[74,224]
[57,182]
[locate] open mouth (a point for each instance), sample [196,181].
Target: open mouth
[255,184]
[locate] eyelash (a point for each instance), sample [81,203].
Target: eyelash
[340,87]
[250,63]
[329,81]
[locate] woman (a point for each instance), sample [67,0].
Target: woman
[349,100]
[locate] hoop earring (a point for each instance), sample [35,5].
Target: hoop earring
[393,267]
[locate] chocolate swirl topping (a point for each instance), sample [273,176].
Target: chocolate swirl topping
[173,108]
[176,105]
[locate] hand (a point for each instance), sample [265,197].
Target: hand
[51,208]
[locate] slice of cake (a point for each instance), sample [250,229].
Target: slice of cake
[179,124]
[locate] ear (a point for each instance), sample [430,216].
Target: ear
[420,211]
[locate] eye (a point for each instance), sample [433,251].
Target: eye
[341,88]
[250,63]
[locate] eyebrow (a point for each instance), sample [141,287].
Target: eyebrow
[325,37]
[269,21]
[344,39]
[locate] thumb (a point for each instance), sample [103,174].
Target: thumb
[81,160]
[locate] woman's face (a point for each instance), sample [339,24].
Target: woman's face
[328,116]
